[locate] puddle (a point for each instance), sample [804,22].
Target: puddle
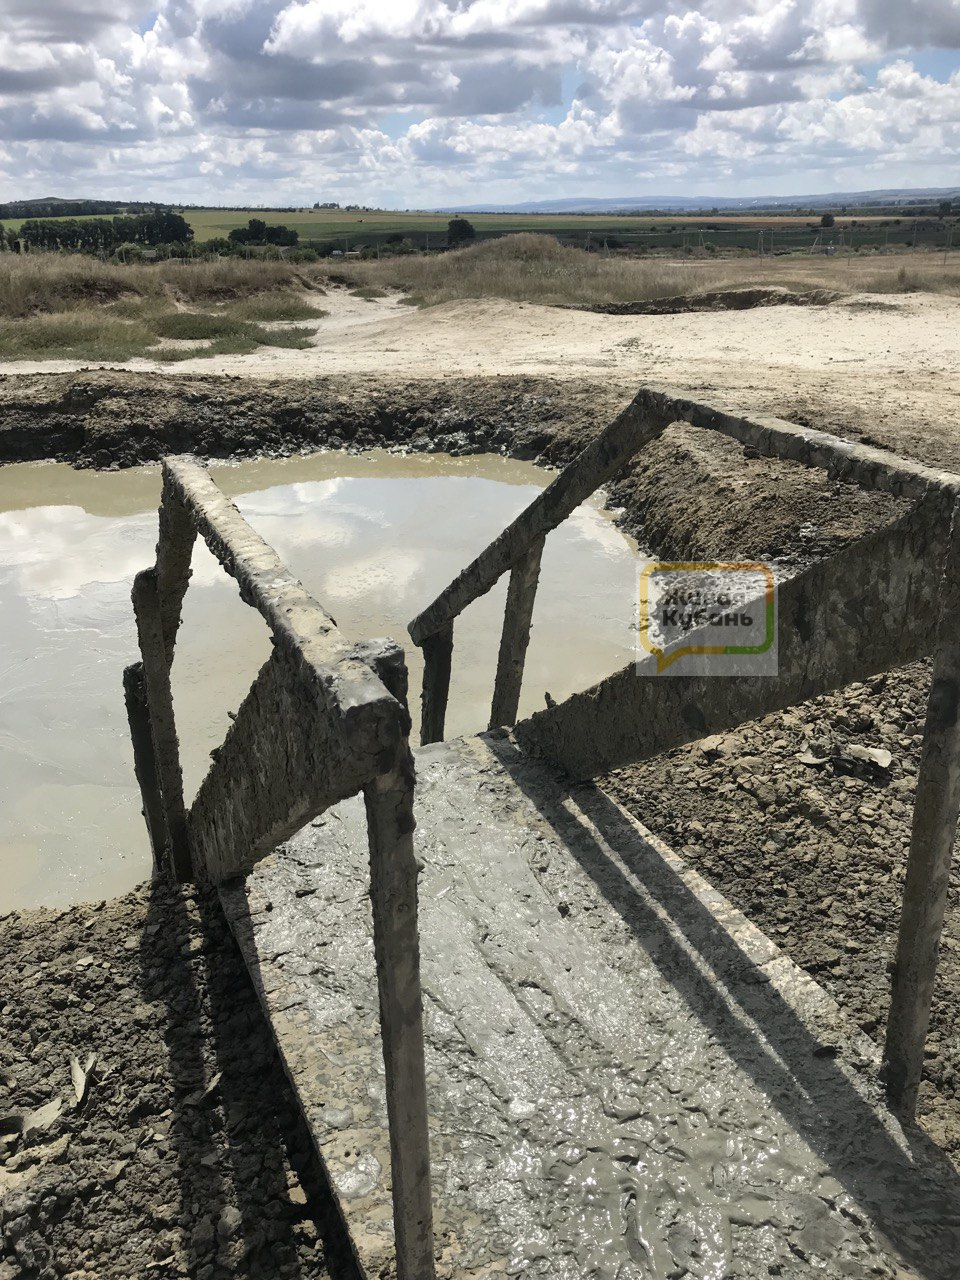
[374,538]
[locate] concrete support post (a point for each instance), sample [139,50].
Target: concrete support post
[393,890]
[437,659]
[935,811]
[146,607]
[517,616]
[145,762]
[174,553]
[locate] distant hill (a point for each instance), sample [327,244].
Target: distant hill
[881,198]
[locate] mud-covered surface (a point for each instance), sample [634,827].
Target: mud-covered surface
[112,418]
[803,821]
[631,1074]
[187,1155]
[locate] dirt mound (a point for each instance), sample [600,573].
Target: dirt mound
[719,300]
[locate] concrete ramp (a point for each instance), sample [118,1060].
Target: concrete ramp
[626,1080]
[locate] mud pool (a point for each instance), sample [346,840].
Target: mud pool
[373,537]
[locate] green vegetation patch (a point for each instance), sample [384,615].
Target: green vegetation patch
[237,345]
[223,335]
[196,326]
[73,335]
[70,307]
[278,305]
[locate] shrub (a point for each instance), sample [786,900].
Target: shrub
[459,232]
[192,326]
[279,305]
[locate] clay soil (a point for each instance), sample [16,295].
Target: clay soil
[186,1155]
[784,816]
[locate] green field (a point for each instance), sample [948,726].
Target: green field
[722,233]
[428,230]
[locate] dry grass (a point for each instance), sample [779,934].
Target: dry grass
[537,268]
[523,268]
[279,304]
[76,307]
[43,282]
[236,340]
[914,279]
[73,335]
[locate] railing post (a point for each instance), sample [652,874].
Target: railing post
[437,659]
[393,891]
[935,811]
[174,553]
[145,761]
[146,608]
[517,616]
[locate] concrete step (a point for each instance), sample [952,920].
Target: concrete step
[626,1079]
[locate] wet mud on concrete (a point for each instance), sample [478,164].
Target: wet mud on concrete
[625,1078]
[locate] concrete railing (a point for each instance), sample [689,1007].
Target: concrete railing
[518,550]
[890,598]
[323,720]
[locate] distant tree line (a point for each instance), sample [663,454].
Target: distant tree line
[62,208]
[103,235]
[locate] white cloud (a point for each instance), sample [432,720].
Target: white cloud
[431,101]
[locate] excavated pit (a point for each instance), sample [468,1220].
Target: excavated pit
[774,834]
[371,536]
[719,300]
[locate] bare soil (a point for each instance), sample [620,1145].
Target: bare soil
[187,1156]
[801,833]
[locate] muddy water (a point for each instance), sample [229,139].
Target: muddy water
[373,537]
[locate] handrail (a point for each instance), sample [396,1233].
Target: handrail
[324,719]
[838,624]
[848,460]
[599,461]
[517,548]
[645,418]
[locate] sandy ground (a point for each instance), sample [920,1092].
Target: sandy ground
[901,349]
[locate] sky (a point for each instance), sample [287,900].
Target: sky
[421,103]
